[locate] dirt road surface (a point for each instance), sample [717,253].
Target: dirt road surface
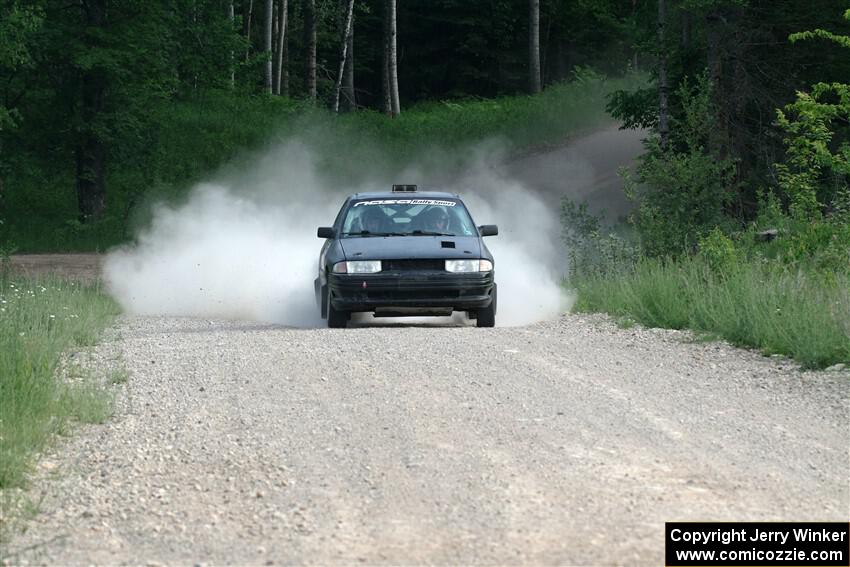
[565,442]
[585,170]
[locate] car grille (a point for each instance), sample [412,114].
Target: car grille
[413,294]
[407,265]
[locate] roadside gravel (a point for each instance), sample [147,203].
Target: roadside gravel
[569,442]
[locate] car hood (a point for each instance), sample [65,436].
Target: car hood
[410,247]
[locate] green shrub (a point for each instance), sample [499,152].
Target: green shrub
[719,252]
[785,291]
[681,189]
[591,248]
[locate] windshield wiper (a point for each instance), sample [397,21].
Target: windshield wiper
[368,233]
[432,233]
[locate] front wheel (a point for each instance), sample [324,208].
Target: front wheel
[487,316]
[336,319]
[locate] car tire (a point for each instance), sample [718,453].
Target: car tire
[487,316]
[336,319]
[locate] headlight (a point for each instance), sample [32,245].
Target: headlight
[357,267]
[469,265]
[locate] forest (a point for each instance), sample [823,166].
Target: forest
[544,434]
[745,104]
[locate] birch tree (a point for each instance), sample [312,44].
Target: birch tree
[387,105]
[284,79]
[248,11]
[267,44]
[392,58]
[349,98]
[310,42]
[231,17]
[281,45]
[534,46]
[344,51]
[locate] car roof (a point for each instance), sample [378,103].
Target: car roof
[405,195]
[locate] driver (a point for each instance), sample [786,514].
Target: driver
[437,220]
[373,219]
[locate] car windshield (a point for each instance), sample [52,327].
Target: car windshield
[407,217]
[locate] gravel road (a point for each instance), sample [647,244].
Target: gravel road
[565,442]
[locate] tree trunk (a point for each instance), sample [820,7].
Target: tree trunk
[90,151]
[281,45]
[246,27]
[267,44]
[284,79]
[275,44]
[385,63]
[534,46]
[91,165]
[635,52]
[562,63]
[310,42]
[395,106]
[349,98]
[544,65]
[231,16]
[2,192]
[663,86]
[349,13]
[714,60]
[194,24]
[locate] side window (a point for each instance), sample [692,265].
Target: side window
[342,216]
[355,224]
[346,221]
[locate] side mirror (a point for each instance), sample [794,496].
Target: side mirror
[325,232]
[488,230]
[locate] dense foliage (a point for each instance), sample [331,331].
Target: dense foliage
[89,89]
[729,65]
[196,137]
[742,218]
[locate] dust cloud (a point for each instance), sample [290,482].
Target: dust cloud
[244,246]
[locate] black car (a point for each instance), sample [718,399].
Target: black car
[405,252]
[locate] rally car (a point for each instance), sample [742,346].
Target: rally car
[405,253]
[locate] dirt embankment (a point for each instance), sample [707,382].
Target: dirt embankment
[80,267]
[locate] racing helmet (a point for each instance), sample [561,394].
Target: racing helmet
[436,218]
[373,219]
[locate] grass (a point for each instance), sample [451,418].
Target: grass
[190,139]
[39,320]
[119,375]
[778,310]
[523,121]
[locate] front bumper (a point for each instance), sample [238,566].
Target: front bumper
[411,289]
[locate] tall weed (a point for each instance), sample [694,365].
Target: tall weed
[760,304]
[39,320]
